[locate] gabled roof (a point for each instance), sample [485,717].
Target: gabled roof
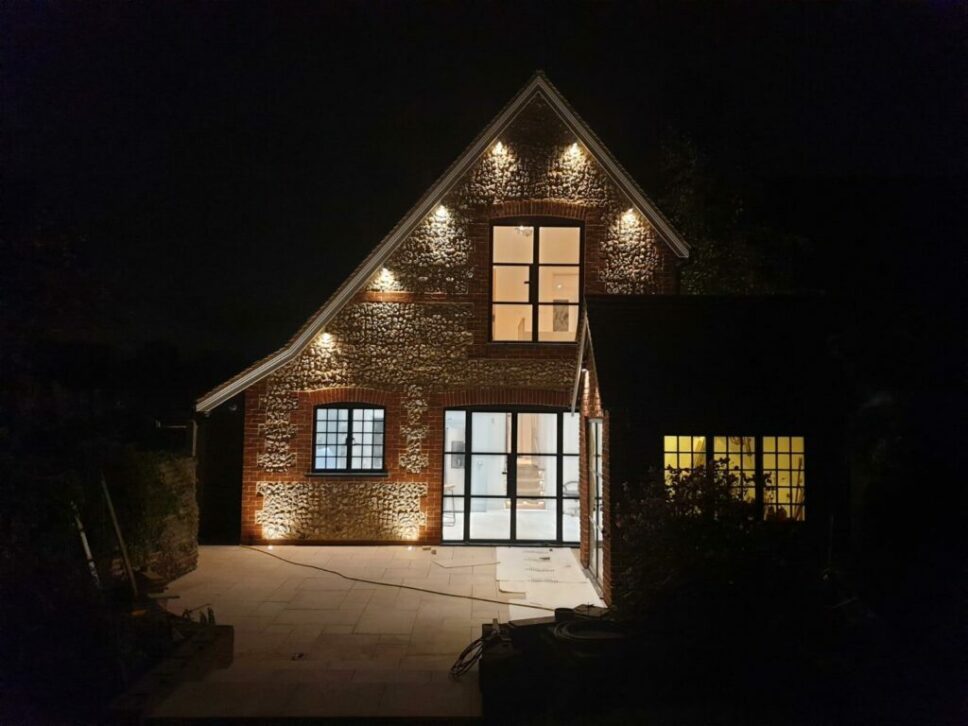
[538,86]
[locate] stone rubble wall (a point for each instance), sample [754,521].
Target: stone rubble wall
[331,510]
[418,332]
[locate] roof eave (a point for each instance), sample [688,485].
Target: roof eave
[538,85]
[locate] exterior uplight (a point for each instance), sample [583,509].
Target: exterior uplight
[574,150]
[499,149]
[442,212]
[629,216]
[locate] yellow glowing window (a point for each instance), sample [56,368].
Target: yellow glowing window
[683,452]
[784,478]
[778,480]
[738,453]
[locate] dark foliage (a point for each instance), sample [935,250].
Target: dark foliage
[68,645]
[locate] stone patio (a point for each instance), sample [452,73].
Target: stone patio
[308,643]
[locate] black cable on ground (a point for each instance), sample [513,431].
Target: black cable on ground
[471,654]
[402,587]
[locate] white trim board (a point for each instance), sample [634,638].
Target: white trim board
[537,86]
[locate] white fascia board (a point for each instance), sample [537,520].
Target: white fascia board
[538,85]
[382,254]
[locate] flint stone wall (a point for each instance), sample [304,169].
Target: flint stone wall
[333,510]
[420,340]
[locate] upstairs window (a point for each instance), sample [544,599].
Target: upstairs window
[535,282]
[348,438]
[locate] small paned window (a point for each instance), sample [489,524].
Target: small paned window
[535,282]
[349,438]
[784,485]
[738,453]
[683,452]
[776,478]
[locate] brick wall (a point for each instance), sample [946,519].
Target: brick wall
[440,279]
[302,417]
[591,407]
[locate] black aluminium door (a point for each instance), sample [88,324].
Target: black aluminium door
[510,476]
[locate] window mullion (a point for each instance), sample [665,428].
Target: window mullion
[758,477]
[534,274]
[349,439]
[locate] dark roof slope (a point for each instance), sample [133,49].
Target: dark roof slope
[691,359]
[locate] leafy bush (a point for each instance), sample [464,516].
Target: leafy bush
[724,599]
[670,530]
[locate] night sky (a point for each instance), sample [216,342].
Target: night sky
[220,168]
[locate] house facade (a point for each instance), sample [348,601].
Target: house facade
[432,398]
[746,383]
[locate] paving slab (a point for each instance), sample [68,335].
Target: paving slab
[314,644]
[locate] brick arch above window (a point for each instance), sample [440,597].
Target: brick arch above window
[350,395]
[505,396]
[544,208]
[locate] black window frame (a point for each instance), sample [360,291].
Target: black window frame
[349,470]
[512,455]
[760,505]
[534,274]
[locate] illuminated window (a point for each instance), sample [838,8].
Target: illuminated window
[683,452]
[776,480]
[348,438]
[535,282]
[739,455]
[784,483]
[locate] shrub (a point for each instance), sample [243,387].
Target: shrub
[690,524]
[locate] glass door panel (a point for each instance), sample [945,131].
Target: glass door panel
[537,476]
[569,439]
[505,478]
[537,519]
[491,432]
[453,519]
[454,476]
[570,520]
[537,433]
[570,504]
[490,519]
[489,475]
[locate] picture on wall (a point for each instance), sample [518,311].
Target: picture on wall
[559,323]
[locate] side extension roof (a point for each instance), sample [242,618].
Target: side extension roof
[538,86]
